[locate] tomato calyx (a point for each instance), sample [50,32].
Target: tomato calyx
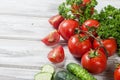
[81,37]
[93,53]
[117,65]
[91,29]
[77,31]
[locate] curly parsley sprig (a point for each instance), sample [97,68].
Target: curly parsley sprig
[109,19]
[65,11]
[75,9]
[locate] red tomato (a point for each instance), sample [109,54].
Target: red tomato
[56,20]
[51,39]
[56,55]
[77,46]
[88,24]
[67,28]
[117,73]
[110,45]
[94,62]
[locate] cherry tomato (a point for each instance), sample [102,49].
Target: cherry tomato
[56,20]
[51,39]
[90,24]
[94,61]
[78,45]
[117,73]
[67,28]
[110,45]
[56,55]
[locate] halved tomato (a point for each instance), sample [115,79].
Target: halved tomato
[56,55]
[52,38]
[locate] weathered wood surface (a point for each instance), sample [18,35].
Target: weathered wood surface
[22,24]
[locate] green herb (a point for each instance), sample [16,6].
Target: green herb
[109,19]
[65,11]
[75,9]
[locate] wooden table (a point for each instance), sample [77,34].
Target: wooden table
[22,25]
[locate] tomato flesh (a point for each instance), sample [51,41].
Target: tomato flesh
[56,55]
[56,20]
[51,39]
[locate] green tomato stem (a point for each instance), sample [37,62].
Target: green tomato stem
[99,40]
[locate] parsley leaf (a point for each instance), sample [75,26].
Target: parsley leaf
[109,19]
[75,9]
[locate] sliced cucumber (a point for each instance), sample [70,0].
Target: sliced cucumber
[48,68]
[43,76]
[46,73]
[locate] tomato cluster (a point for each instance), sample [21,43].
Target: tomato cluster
[83,42]
[80,44]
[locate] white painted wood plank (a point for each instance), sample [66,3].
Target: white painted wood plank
[17,74]
[103,3]
[42,8]
[21,27]
[23,52]
[11,78]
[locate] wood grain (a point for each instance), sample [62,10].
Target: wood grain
[23,23]
[39,8]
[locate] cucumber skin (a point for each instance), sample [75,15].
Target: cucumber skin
[78,71]
[64,75]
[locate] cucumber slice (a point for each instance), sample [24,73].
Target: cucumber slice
[48,68]
[43,76]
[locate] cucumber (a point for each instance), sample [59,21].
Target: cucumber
[79,72]
[64,75]
[43,76]
[48,68]
[46,73]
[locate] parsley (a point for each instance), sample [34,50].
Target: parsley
[109,19]
[75,9]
